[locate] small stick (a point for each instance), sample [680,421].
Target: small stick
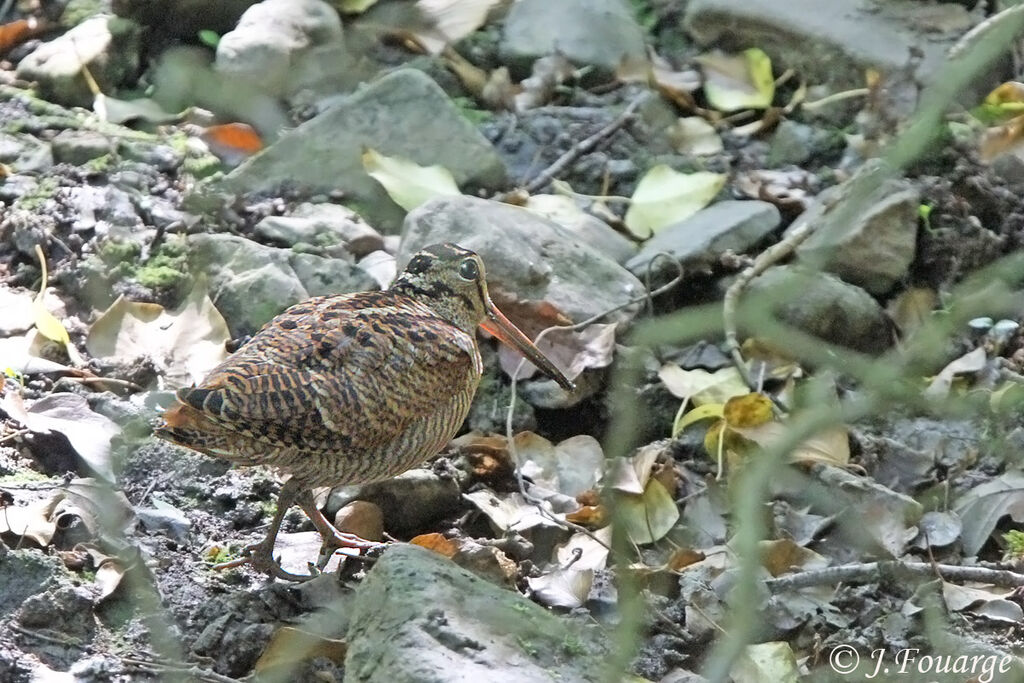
[870,571]
[583,147]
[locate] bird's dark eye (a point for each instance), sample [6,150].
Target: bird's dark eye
[468,270]
[418,264]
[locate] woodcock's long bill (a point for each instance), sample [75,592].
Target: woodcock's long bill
[352,388]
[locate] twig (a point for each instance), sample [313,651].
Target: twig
[871,571]
[194,671]
[764,260]
[529,497]
[835,97]
[48,638]
[13,435]
[584,146]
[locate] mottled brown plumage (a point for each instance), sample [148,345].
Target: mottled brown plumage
[350,389]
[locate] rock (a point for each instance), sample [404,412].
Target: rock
[107,46]
[873,247]
[364,519]
[24,573]
[700,240]
[25,153]
[598,33]
[529,259]
[79,146]
[66,610]
[792,143]
[251,283]
[321,224]
[418,616]
[826,307]
[402,114]
[271,37]
[411,502]
[835,42]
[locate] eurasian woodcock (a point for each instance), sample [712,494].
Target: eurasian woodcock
[350,389]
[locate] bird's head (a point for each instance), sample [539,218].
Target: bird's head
[452,282]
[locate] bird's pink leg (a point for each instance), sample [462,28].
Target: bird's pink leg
[332,537]
[261,555]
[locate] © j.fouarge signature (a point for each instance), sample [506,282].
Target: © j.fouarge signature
[845,659]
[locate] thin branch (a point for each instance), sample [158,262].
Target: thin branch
[583,147]
[873,571]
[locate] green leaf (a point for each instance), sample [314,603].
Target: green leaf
[354,6]
[208,37]
[664,196]
[406,182]
[734,82]
[648,517]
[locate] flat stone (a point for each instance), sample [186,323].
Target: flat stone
[872,247]
[418,616]
[701,239]
[24,573]
[598,33]
[271,37]
[403,114]
[530,259]
[824,306]
[108,46]
[79,146]
[833,42]
[251,283]
[324,225]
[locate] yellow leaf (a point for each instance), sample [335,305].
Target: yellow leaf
[48,325]
[701,386]
[734,82]
[704,412]
[354,6]
[406,182]
[748,411]
[664,197]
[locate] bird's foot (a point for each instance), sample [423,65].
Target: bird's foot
[339,540]
[260,557]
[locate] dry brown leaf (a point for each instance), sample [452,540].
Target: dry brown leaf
[436,542]
[911,307]
[548,73]
[16,32]
[969,363]
[681,558]
[783,555]
[572,351]
[289,646]
[749,410]
[69,414]
[590,516]
[28,521]
[186,343]
[562,587]
[1007,138]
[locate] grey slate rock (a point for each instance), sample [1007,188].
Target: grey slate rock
[402,114]
[251,283]
[528,258]
[875,245]
[321,224]
[598,33]
[701,239]
[418,616]
[824,306]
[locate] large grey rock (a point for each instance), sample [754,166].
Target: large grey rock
[251,283]
[325,225]
[24,573]
[701,239]
[419,617]
[873,246]
[834,41]
[108,46]
[271,38]
[403,114]
[597,33]
[25,153]
[824,306]
[529,259]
